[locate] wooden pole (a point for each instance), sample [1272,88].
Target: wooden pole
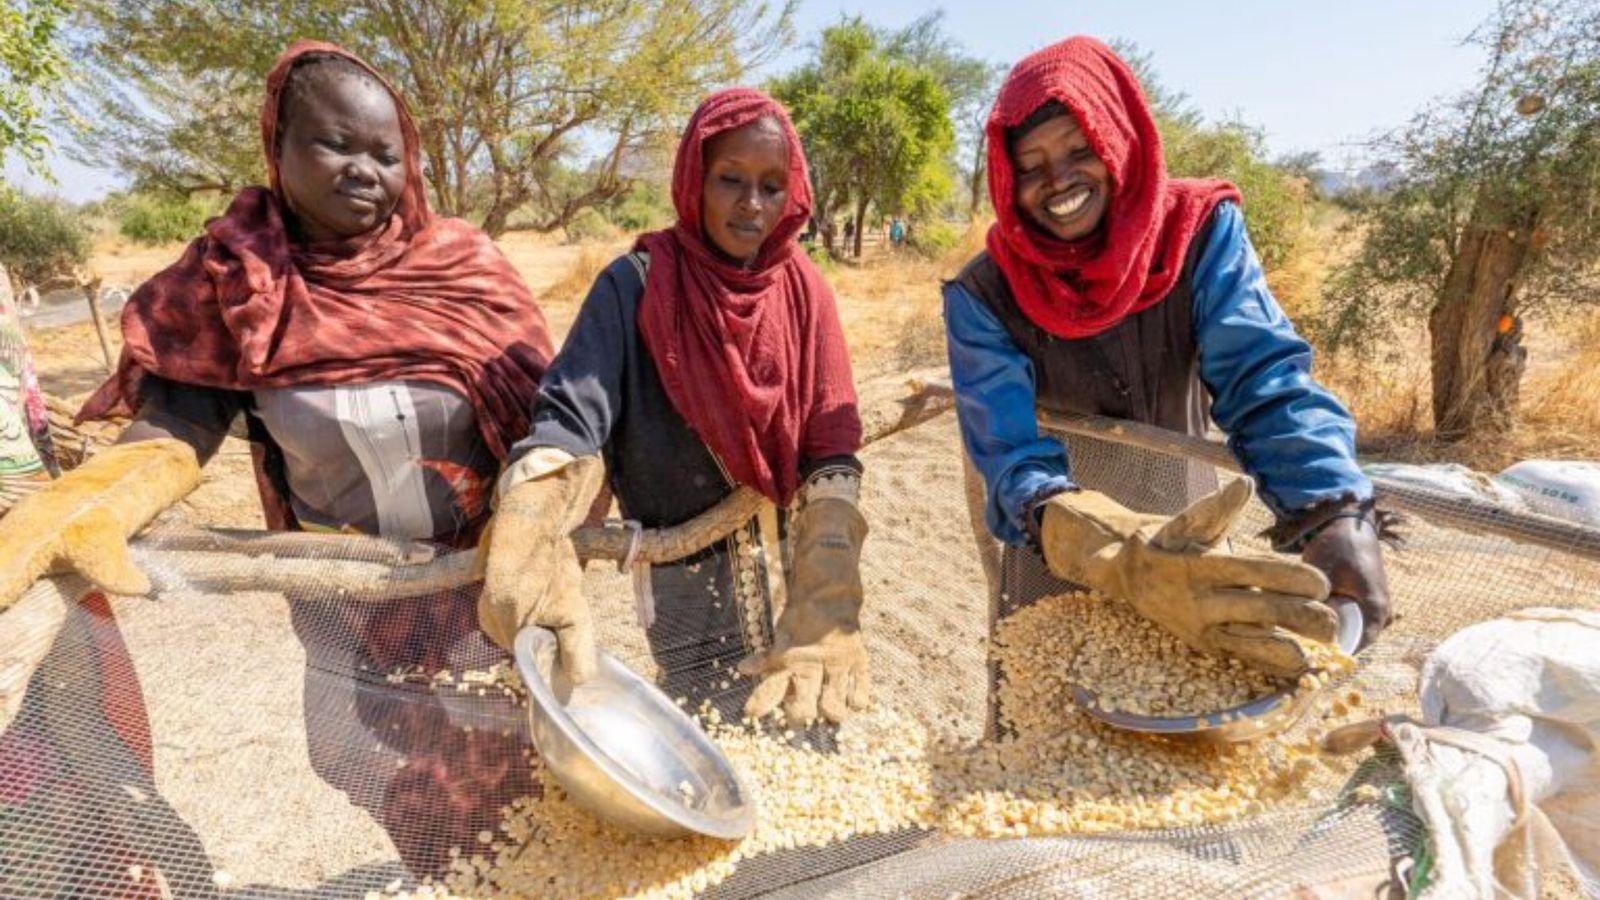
[91,292]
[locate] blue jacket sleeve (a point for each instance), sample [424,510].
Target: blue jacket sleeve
[1287,431]
[994,386]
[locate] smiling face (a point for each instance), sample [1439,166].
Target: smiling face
[1061,185]
[746,188]
[341,155]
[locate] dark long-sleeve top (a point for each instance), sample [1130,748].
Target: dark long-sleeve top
[603,396]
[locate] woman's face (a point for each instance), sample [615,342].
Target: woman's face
[746,188]
[341,158]
[1061,186]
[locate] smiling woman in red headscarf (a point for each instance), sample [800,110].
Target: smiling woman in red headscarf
[384,359]
[1109,288]
[709,357]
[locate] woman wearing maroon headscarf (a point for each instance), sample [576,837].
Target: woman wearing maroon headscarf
[384,360]
[709,357]
[1108,288]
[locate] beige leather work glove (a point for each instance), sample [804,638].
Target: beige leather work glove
[82,521]
[1179,574]
[531,574]
[818,659]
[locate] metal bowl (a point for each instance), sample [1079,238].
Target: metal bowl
[1258,718]
[626,752]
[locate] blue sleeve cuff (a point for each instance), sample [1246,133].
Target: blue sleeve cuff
[1287,431]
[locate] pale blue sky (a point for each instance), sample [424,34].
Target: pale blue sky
[1315,76]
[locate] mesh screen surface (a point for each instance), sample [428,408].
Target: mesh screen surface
[297,742]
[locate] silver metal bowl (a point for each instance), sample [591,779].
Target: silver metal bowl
[626,752]
[1258,718]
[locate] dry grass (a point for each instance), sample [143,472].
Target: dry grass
[1559,416]
[1566,398]
[891,309]
[573,285]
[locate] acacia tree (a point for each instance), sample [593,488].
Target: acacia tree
[532,108]
[32,64]
[1494,212]
[970,85]
[876,127]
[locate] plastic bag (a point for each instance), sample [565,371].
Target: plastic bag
[1505,767]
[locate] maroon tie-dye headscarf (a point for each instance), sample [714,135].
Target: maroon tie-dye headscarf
[753,358]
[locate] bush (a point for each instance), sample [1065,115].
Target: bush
[819,255]
[163,219]
[589,225]
[40,239]
[933,239]
[646,206]
[1275,203]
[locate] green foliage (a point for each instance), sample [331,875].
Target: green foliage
[511,98]
[1519,154]
[820,255]
[32,64]
[40,239]
[876,127]
[645,206]
[933,239]
[970,84]
[589,225]
[162,218]
[1274,201]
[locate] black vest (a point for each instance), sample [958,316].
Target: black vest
[1145,368]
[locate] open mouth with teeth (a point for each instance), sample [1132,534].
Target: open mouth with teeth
[1069,205]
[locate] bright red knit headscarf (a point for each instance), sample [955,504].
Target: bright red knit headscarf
[753,357]
[1078,289]
[420,298]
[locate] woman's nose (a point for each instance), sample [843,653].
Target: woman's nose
[355,170]
[750,199]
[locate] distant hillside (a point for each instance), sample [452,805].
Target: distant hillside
[1376,178]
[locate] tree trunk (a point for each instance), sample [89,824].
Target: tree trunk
[861,221]
[975,176]
[1477,371]
[499,215]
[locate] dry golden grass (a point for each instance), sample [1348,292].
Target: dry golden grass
[1559,413]
[891,309]
[573,284]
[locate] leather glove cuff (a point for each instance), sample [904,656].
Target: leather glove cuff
[1294,534]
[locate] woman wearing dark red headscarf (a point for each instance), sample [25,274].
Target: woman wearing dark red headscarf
[1108,288]
[709,357]
[384,359]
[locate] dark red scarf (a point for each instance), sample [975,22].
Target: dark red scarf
[421,298]
[753,358]
[1078,289]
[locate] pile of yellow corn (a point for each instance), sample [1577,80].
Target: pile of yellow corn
[1055,772]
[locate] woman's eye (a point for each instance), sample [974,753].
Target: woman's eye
[332,144]
[730,179]
[772,190]
[388,159]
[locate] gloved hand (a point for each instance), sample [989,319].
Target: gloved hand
[1346,549]
[1178,574]
[531,574]
[82,521]
[818,660]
